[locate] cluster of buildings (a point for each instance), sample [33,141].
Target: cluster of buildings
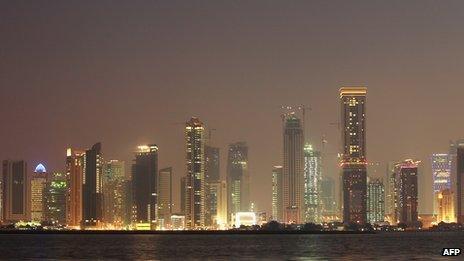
[94,193]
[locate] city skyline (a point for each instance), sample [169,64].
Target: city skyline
[246,74]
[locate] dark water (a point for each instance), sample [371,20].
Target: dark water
[389,246]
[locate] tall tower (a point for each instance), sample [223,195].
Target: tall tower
[16,198]
[165,195]
[459,177]
[55,198]
[375,201]
[195,180]
[212,176]
[113,192]
[406,192]
[441,176]
[293,171]
[38,184]
[312,185]
[353,161]
[74,177]
[238,180]
[92,193]
[144,184]
[277,193]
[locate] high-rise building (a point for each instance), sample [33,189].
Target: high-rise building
[312,184]
[459,178]
[238,179]
[195,178]
[212,175]
[113,192]
[16,191]
[406,192]
[144,184]
[92,192]
[165,204]
[375,201]
[441,175]
[75,160]
[38,184]
[277,188]
[390,192]
[445,206]
[293,171]
[55,199]
[218,193]
[329,206]
[129,209]
[353,161]
[183,193]
[212,167]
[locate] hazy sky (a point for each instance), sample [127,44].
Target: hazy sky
[132,72]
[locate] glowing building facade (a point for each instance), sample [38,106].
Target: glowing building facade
[277,200]
[293,171]
[113,192]
[445,206]
[353,161]
[165,204]
[312,184]
[218,193]
[441,175]
[195,178]
[375,201]
[212,175]
[238,179]
[75,160]
[38,184]
[55,199]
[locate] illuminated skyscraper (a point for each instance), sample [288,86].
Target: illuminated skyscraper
[353,163]
[445,206]
[195,180]
[406,192]
[277,193]
[144,184]
[212,176]
[238,179]
[55,199]
[375,201]
[441,175]
[459,178]
[38,184]
[16,191]
[293,171]
[113,192]
[312,184]
[92,192]
[390,192]
[183,192]
[75,177]
[218,192]
[165,204]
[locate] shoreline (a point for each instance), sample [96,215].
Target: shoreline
[181,232]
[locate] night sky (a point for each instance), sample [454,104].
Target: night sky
[132,72]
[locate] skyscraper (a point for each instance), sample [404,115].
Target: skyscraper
[238,179]
[113,192]
[406,192]
[165,204]
[218,192]
[277,198]
[144,184]
[183,193]
[445,206]
[329,207]
[92,193]
[38,184]
[212,175]
[55,199]
[353,162]
[375,201]
[195,178]
[293,171]
[441,175]
[459,178]
[390,192]
[75,177]
[312,184]
[16,191]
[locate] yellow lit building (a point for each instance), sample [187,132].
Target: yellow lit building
[445,206]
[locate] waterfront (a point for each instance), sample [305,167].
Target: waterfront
[387,246]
